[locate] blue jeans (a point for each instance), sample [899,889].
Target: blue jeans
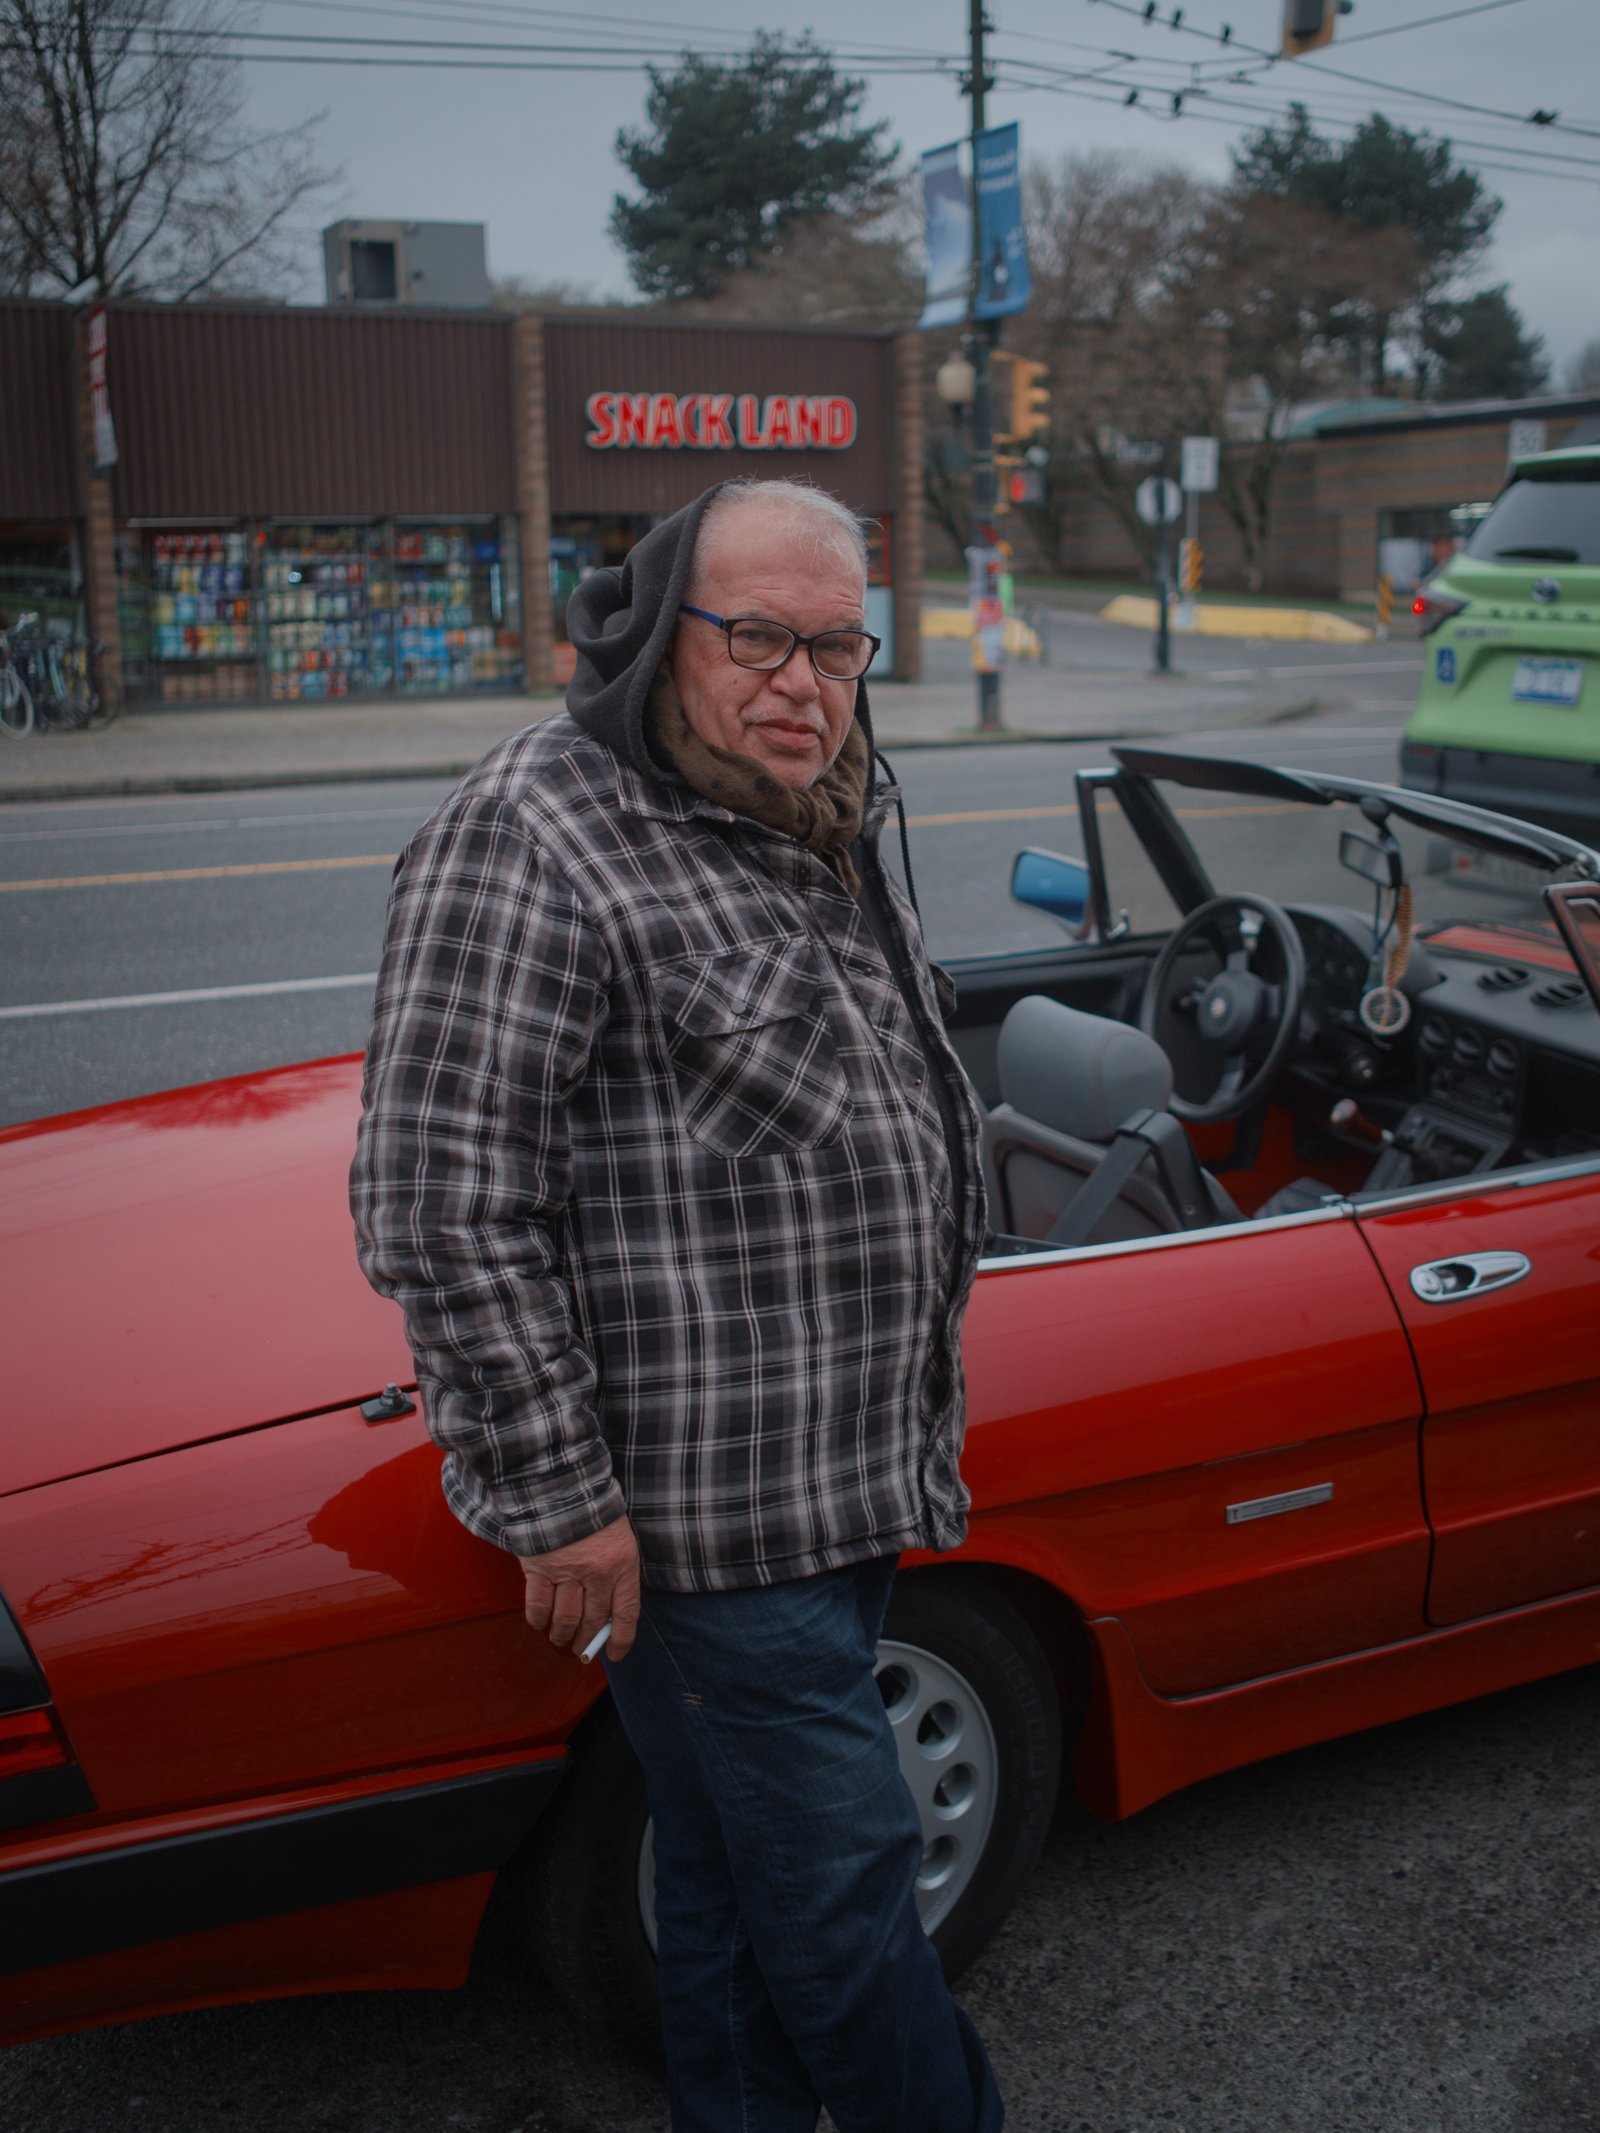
[794,1970]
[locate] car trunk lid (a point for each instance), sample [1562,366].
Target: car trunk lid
[181,1267]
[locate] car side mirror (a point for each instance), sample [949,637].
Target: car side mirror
[1045,881]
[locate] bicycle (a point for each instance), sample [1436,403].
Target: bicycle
[16,698]
[70,702]
[46,684]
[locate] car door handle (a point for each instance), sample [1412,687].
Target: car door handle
[1447,1281]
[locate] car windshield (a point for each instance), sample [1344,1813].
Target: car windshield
[1255,842]
[1543,519]
[1290,852]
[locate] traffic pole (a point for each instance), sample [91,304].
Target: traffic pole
[983,339]
[1385,605]
[1164,570]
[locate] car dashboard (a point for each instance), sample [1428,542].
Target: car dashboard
[1498,1062]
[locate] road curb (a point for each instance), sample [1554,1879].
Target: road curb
[156,784]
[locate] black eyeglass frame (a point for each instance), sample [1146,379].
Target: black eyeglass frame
[729,623]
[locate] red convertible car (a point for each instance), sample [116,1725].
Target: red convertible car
[1284,1390]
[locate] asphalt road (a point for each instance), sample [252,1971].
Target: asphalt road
[156,942]
[1398,1933]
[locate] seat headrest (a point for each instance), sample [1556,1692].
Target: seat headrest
[1076,1073]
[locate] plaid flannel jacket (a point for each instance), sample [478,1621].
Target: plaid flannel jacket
[648,1158]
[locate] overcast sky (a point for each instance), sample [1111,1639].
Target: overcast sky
[524,143]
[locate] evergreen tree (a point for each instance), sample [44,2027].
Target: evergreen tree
[732,156]
[1478,349]
[1383,180]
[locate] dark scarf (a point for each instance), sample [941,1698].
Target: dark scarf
[825,818]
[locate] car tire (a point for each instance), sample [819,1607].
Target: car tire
[973,1703]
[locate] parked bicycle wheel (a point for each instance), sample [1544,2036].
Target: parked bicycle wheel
[16,703]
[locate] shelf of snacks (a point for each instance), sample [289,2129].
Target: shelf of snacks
[445,601]
[322,638]
[201,615]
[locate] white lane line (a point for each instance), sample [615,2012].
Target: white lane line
[1351,669]
[178,999]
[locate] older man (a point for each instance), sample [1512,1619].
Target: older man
[670,1164]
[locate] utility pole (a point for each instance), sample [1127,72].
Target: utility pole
[1164,570]
[982,338]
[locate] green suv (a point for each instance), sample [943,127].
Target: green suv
[1509,711]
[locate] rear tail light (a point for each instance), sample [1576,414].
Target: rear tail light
[29,1741]
[1432,607]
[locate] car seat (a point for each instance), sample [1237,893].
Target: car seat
[1073,1088]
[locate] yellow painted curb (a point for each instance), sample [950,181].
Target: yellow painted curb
[1303,623]
[1020,641]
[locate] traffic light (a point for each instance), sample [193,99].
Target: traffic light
[1307,24]
[1020,397]
[1030,399]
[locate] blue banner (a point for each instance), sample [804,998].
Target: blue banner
[1004,283]
[947,214]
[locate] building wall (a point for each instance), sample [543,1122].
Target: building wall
[38,412]
[258,412]
[1359,472]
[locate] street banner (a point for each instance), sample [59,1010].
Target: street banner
[1004,283]
[105,433]
[947,216]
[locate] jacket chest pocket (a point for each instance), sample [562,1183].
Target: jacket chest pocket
[757,1069]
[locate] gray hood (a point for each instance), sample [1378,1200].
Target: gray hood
[621,623]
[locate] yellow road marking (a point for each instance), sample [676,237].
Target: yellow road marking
[260,866]
[989,814]
[387,859]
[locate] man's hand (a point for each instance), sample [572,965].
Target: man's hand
[571,1591]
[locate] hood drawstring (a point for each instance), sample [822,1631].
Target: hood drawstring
[900,811]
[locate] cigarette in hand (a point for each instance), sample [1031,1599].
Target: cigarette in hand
[596,1643]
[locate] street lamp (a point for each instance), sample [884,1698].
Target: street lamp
[956,382]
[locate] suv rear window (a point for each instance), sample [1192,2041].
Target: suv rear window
[1548,519]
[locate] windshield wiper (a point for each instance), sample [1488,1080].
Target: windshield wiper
[1543,555]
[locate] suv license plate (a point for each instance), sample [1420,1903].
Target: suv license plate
[1547,681]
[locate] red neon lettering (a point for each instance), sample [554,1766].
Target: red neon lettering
[841,424]
[715,433]
[750,423]
[601,410]
[633,418]
[780,422]
[664,429]
[810,423]
[690,408]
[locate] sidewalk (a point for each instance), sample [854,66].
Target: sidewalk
[167,751]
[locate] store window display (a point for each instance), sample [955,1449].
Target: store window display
[326,633]
[200,640]
[448,595]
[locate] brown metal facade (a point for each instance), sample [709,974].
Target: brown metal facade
[586,356]
[38,401]
[261,412]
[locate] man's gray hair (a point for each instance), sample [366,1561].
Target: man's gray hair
[833,528]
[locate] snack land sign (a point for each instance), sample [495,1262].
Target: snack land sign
[720,422]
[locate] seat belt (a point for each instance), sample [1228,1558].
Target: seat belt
[1144,1134]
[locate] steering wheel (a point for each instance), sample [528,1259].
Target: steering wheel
[1227,1033]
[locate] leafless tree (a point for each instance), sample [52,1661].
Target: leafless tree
[1255,291]
[124,156]
[1164,307]
[849,272]
[1583,372]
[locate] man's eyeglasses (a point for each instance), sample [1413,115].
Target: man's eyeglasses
[838,655]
